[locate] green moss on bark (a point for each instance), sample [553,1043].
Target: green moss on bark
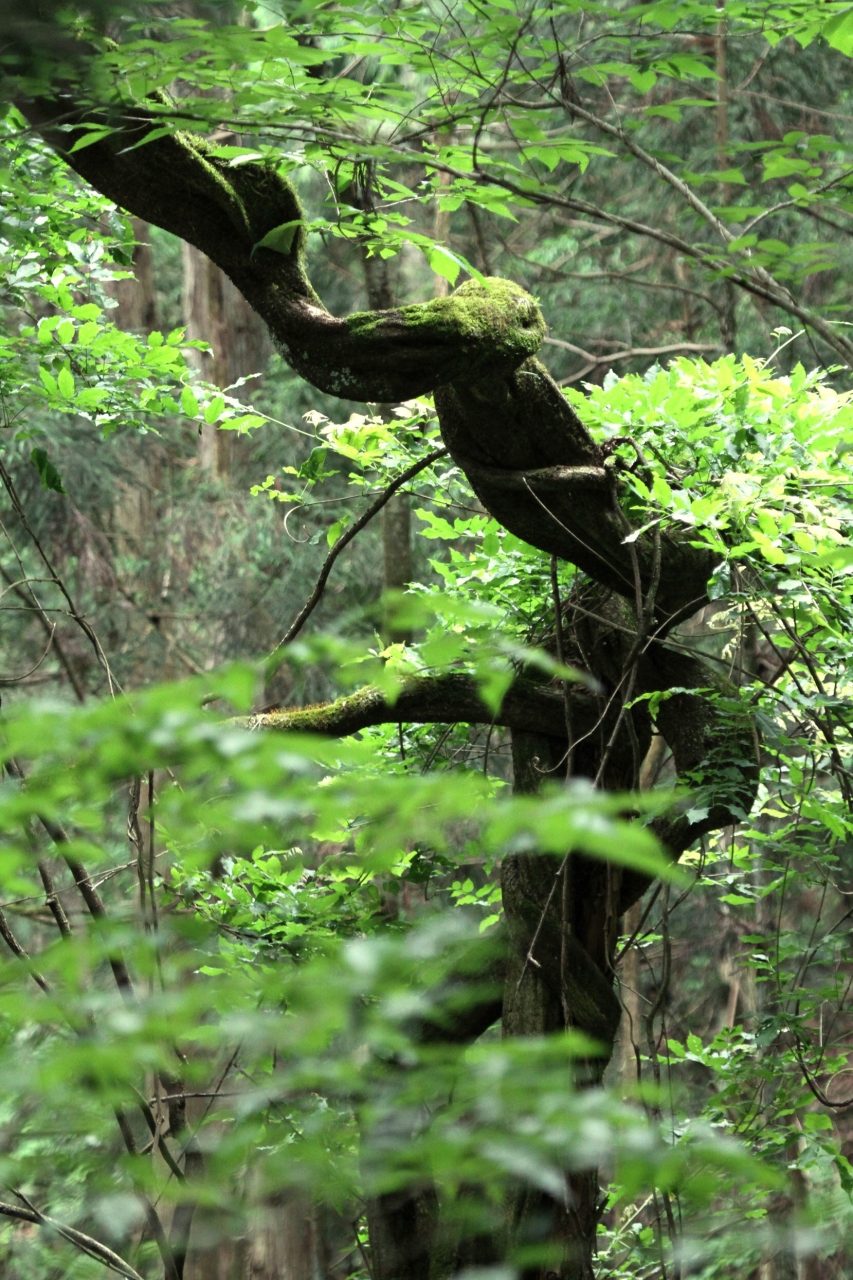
[493,325]
[488,329]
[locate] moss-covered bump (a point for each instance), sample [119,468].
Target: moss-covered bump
[493,325]
[498,312]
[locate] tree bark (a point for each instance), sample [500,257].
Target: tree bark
[286,1242]
[139,480]
[137,302]
[537,470]
[397,556]
[217,313]
[397,513]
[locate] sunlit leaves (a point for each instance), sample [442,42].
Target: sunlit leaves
[838,31]
[73,359]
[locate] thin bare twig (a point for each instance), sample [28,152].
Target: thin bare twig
[632,352]
[52,899]
[347,537]
[17,950]
[48,627]
[81,621]
[93,900]
[87,1244]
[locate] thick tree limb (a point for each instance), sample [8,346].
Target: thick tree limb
[500,412]
[176,182]
[572,512]
[539,472]
[535,925]
[715,751]
[772,292]
[442,699]
[527,454]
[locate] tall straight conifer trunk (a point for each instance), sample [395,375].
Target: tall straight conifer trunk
[217,313]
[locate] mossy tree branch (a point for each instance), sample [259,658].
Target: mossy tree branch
[438,699]
[503,418]
[178,182]
[538,471]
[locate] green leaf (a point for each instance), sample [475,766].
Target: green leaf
[838,32]
[334,531]
[313,468]
[65,383]
[48,474]
[87,333]
[151,136]
[280,239]
[213,410]
[94,135]
[643,81]
[189,403]
[242,423]
[444,263]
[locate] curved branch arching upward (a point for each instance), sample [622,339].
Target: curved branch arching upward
[506,423]
[500,412]
[178,183]
[538,471]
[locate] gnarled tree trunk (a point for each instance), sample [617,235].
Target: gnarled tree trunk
[536,469]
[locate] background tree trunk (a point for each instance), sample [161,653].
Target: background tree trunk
[222,1260]
[397,513]
[397,554]
[556,979]
[136,312]
[287,1242]
[217,313]
[137,303]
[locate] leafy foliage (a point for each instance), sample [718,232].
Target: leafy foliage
[305,907]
